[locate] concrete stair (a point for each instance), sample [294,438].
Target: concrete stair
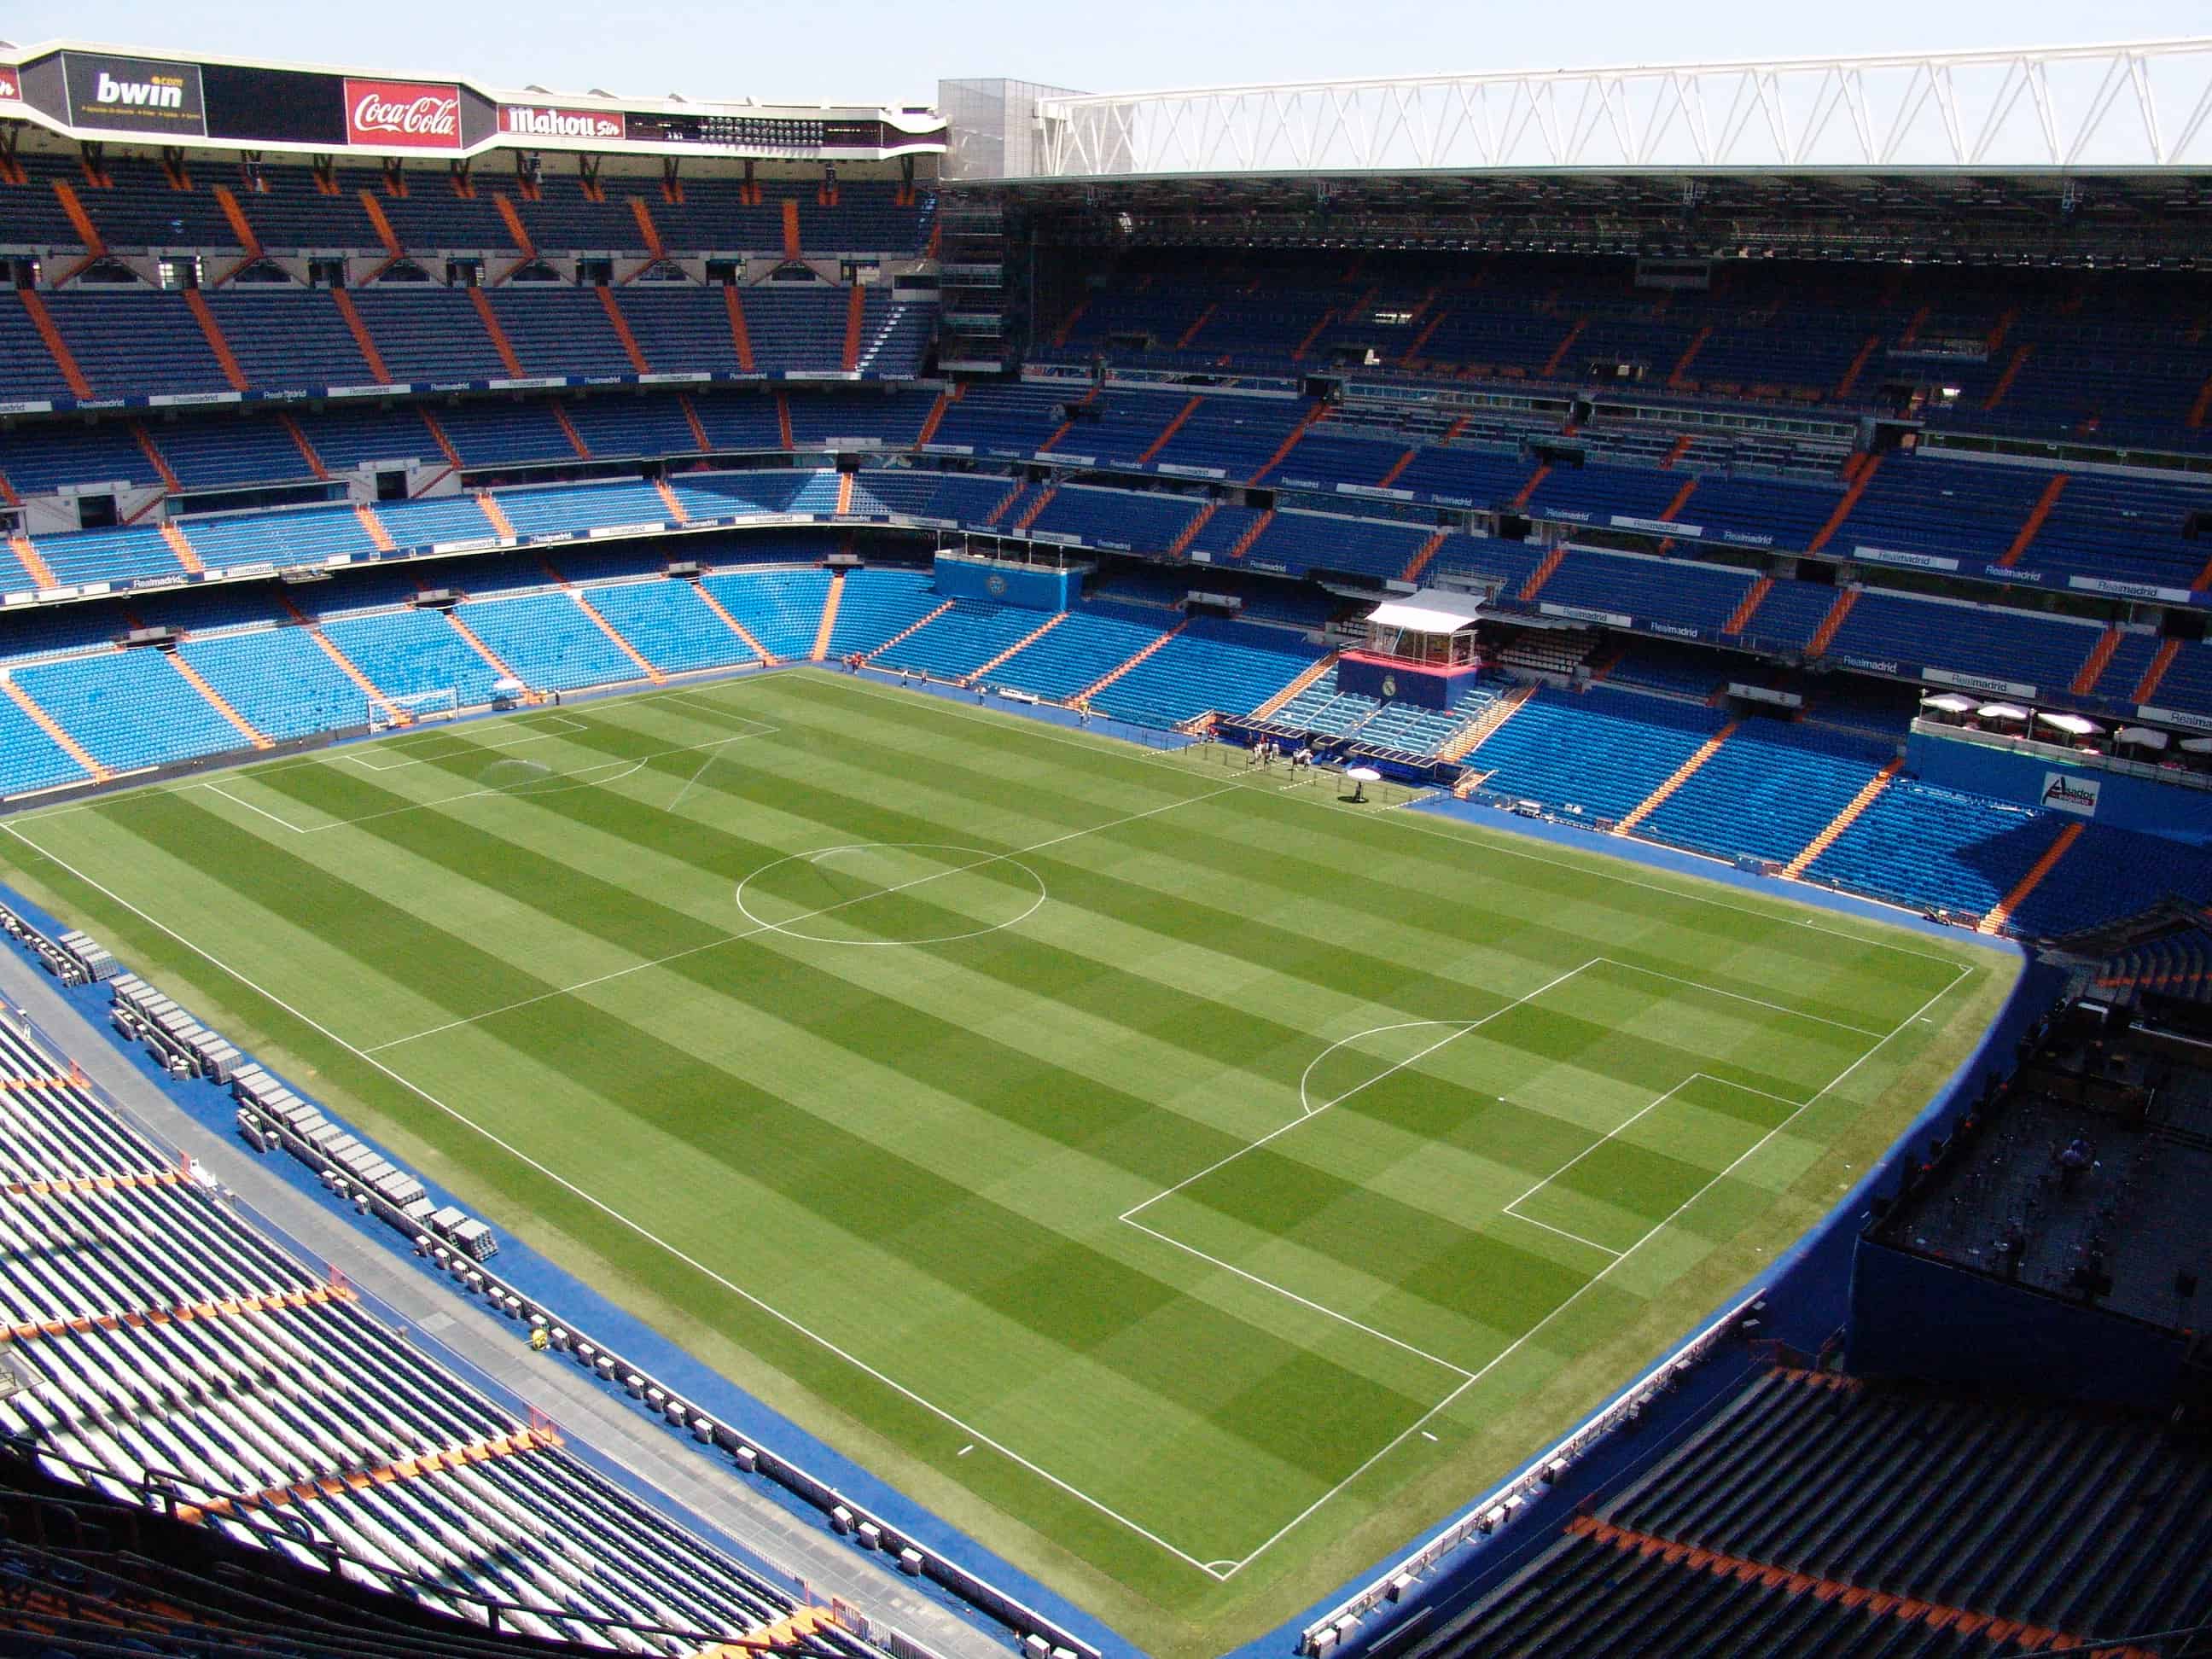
[1754,597]
[1107,679]
[1825,634]
[909,631]
[1020,645]
[1465,742]
[221,704]
[830,602]
[1306,677]
[1843,819]
[52,727]
[585,606]
[2093,666]
[1995,921]
[1674,780]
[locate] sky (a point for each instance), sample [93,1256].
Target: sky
[872,51]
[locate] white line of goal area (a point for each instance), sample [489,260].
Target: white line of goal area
[1218,1568]
[1225,1568]
[528,729]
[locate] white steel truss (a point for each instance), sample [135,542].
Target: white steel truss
[2141,105]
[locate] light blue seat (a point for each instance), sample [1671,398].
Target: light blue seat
[781,608]
[877,604]
[670,625]
[549,641]
[129,709]
[279,680]
[954,645]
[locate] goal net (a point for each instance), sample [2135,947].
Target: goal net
[385,714]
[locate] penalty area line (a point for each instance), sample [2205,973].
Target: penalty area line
[1513,1348]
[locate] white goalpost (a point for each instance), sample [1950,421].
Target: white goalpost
[390,713]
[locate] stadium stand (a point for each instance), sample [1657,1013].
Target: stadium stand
[1819,1514]
[1726,521]
[386,1468]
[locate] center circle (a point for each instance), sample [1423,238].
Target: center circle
[890,893]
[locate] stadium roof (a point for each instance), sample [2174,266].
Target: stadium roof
[2135,105]
[1431,611]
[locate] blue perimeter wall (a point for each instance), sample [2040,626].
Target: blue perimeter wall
[1806,1292]
[1030,586]
[2125,802]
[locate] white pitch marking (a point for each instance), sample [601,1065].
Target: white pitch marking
[1213,1569]
[350,752]
[1627,1122]
[1219,1569]
[693,779]
[558,783]
[539,731]
[749,932]
[965,1450]
[1272,1134]
[1304,1301]
[1479,839]
[788,928]
[1522,1341]
[1737,996]
[237,801]
[1603,1249]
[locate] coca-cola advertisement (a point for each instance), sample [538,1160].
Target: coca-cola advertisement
[11,92]
[546,121]
[403,115]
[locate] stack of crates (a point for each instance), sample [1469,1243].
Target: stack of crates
[326,1147]
[184,1047]
[90,955]
[463,1232]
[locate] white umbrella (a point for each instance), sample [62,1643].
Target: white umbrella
[1361,776]
[1949,701]
[2142,737]
[2196,745]
[2001,711]
[2074,723]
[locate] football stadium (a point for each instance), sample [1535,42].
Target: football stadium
[1414,867]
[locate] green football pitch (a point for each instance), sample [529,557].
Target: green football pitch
[1189,1184]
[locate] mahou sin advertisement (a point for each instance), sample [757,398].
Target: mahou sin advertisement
[546,121]
[403,115]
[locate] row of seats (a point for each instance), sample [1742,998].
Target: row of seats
[2074,1521]
[2121,360]
[1768,790]
[1818,1514]
[1680,593]
[2053,654]
[1322,710]
[279,1383]
[127,340]
[1595,754]
[136,205]
[1765,789]
[130,710]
